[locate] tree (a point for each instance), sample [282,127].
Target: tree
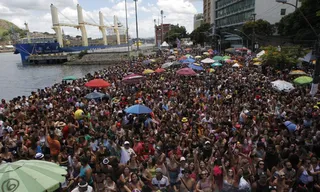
[260,26]
[296,26]
[284,59]
[175,32]
[200,34]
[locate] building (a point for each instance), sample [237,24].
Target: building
[234,13]
[197,20]
[208,11]
[158,29]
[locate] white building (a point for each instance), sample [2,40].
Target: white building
[197,20]
[233,13]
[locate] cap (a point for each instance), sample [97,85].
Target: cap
[158,170]
[182,159]
[39,156]
[207,142]
[83,184]
[105,161]
[127,143]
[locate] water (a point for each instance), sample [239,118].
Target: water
[17,79]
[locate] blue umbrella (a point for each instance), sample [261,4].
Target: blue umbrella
[95,95]
[138,109]
[291,126]
[189,60]
[195,67]
[216,65]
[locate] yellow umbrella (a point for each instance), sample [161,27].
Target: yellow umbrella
[206,53]
[148,71]
[257,63]
[197,57]
[256,59]
[153,60]
[297,72]
[211,70]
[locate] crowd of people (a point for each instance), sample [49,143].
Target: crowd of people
[215,131]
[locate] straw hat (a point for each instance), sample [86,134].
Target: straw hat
[184,120]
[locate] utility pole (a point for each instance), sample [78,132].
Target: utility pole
[127,29]
[161,12]
[253,32]
[137,29]
[155,31]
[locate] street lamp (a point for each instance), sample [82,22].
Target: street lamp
[137,29]
[316,73]
[161,12]
[248,38]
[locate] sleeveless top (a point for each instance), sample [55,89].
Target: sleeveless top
[205,186]
[83,171]
[305,177]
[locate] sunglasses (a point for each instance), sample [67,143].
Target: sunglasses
[261,163]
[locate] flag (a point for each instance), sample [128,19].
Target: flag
[178,43]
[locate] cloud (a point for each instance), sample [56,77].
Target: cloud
[37,14]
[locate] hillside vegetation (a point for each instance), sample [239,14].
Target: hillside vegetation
[7,29]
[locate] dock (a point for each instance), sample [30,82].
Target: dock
[58,58]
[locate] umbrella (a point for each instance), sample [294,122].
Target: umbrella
[206,53]
[198,57]
[31,175]
[257,63]
[256,59]
[146,62]
[217,58]
[138,109]
[207,60]
[236,65]
[297,72]
[160,70]
[188,56]
[172,57]
[195,67]
[281,85]
[189,60]
[303,80]
[183,58]
[69,78]
[230,50]
[97,83]
[132,76]
[216,65]
[95,95]
[211,70]
[166,65]
[153,60]
[186,72]
[226,57]
[148,71]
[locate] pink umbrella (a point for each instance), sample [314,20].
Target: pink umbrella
[186,72]
[160,70]
[132,76]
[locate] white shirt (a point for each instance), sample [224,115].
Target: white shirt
[88,190]
[126,154]
[162,183]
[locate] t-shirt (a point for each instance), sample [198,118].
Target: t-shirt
[162,183]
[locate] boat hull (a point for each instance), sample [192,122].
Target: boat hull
[27,49]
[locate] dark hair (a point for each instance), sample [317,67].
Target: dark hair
[84,160]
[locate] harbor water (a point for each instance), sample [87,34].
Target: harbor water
[17,79]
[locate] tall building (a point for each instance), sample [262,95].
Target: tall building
[233,13]
[197,20]
[207,11]
[158,29]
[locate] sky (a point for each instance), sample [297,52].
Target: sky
[38,16]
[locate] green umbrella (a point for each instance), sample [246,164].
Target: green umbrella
[216,65]
[226,57]
[302,80]
[69,78]
[31,175]
[217,58]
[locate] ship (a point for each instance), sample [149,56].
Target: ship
[55,46]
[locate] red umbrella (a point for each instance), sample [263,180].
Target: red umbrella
[160,70]
[97,83]
[186,71]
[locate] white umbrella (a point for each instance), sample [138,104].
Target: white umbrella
[166,65]
[207,60]
[281,85]
[172,57]
[236,65]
